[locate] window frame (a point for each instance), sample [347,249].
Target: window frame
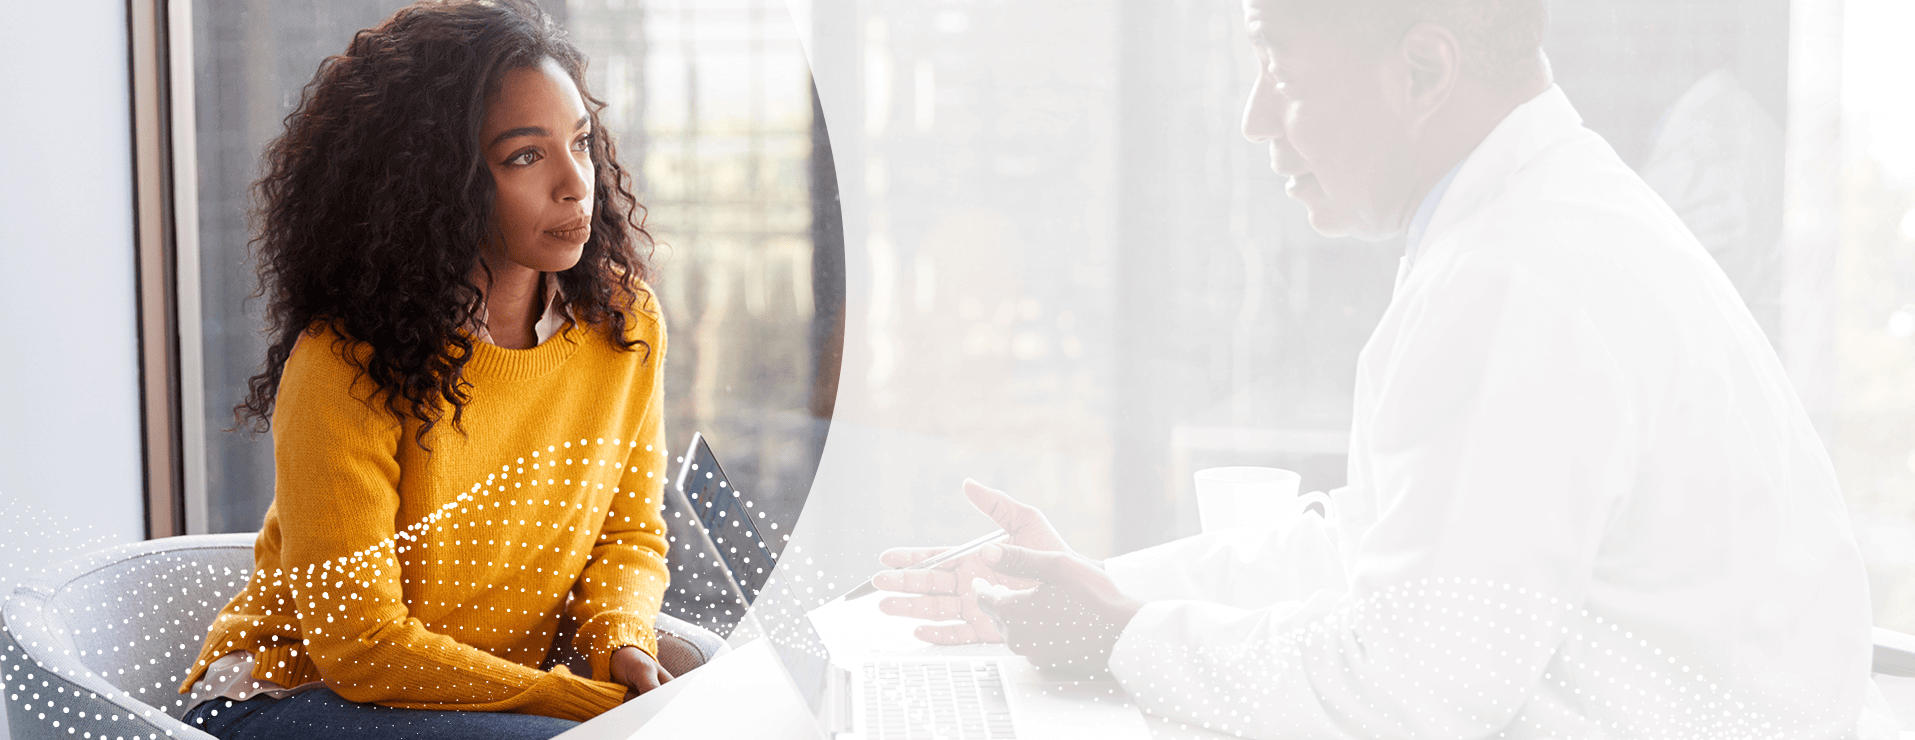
[166,241]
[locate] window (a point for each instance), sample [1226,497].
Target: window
[712,105]
[1070,274]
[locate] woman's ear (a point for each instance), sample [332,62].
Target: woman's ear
[1433,57]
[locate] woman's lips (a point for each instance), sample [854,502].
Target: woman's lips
[573,233]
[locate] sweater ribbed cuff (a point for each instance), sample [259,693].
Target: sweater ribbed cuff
[286,665]
[608,632]
[566,696]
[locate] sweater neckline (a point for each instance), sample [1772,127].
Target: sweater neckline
[491,360]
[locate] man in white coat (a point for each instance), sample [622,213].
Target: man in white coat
[1583,499]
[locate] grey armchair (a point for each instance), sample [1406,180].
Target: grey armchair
[97,649]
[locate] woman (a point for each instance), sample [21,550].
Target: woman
[464,391]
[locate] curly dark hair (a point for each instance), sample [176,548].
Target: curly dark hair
[375,201]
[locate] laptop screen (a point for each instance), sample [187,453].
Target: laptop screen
[728,516]
[775,614]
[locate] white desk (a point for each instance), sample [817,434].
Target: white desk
[741,695]
[744,694]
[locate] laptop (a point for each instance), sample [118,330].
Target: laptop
[874,696]
[867,695]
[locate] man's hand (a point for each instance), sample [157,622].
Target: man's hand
[1072,618]
[638,670]
[945,592]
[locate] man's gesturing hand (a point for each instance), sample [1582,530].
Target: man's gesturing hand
[1072,618]
[637,670]
[944,592]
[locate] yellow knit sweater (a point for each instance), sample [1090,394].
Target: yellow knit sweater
[438,579]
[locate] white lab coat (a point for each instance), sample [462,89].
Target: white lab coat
[1583,501]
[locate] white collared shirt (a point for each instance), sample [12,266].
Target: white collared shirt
[549,323]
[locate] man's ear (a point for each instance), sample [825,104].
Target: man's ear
[1434,59]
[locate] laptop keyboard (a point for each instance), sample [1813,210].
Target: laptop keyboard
[942,699]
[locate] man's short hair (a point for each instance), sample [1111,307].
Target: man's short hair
[1501,39]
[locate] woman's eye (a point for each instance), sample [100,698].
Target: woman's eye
[523,158]
[584,144]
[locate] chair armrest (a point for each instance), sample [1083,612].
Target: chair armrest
[52,695]
[1894,653]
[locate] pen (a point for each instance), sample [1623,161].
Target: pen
[934,561]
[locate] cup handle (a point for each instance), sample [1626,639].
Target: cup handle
[1316,501]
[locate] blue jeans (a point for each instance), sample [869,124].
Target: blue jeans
[321,714]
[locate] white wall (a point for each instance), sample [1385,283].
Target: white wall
[69,377]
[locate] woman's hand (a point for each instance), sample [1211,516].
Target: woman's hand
[638,670]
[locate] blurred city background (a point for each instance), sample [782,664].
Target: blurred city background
[1063,270]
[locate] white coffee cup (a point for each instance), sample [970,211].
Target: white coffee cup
[1244,496]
